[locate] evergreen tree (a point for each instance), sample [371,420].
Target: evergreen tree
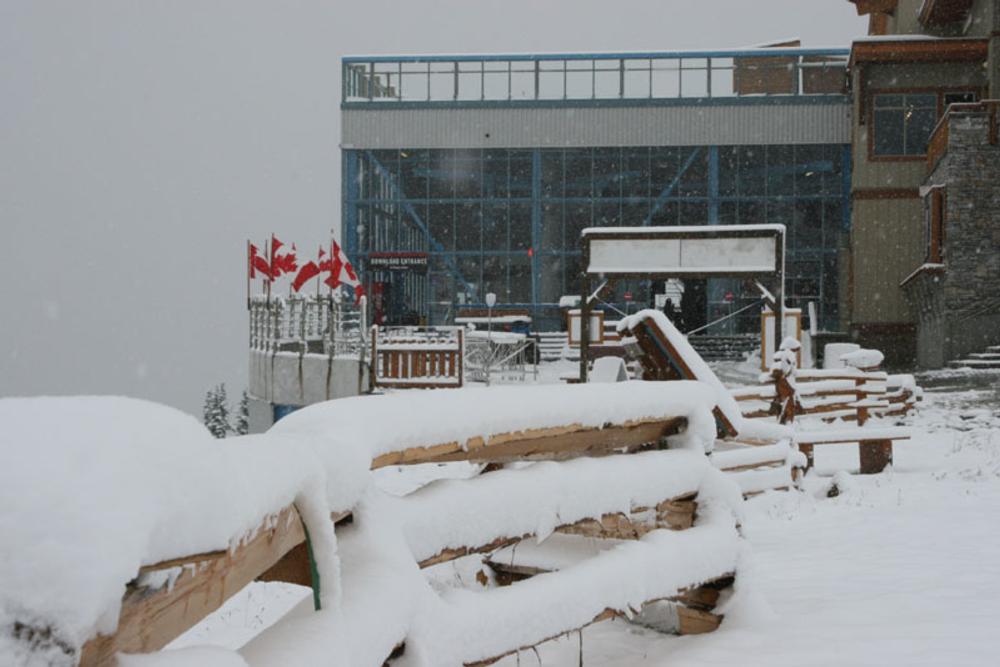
[216,412]
[243,415]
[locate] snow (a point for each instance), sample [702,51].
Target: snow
[93,488]
[863,358]
[538,498]
[359,429]
[832,353]
[901,568]
[466,625]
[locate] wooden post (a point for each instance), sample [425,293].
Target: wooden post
[807,450]
[779,299]
[861,396]
[874,456]
[584,325]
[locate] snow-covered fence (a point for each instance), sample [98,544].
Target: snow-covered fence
[417,357]
[243,511]
[849,394]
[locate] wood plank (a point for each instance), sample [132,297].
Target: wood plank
[672,514]
[690,621]
[152,618]
[546,443]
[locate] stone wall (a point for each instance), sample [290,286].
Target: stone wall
[959,310]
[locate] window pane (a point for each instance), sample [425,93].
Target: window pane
[919,124]
[468,226]
[888,101]
[780,173]
[607,172]
[520,226]
[495,227]
[577,219]
[578,174]
[520,280]
[441,224]
[520,173]
[552,214]
[552,173]
[495,173]
[888,130]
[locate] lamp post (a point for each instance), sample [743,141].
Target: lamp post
[491,300]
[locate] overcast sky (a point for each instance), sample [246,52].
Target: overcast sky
[141,143]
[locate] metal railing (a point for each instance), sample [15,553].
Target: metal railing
[594,76]
[314,324]
[500,357]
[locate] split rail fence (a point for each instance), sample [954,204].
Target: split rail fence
[152,616]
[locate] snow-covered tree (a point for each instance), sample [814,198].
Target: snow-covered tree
[216,412]
[242,426]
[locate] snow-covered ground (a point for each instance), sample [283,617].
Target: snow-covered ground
[901,568]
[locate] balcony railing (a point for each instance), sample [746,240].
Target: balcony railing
[937,145]
[306,325]
[595,76]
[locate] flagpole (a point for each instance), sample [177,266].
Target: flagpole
[249,269]
[270,270]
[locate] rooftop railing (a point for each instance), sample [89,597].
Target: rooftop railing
[595,76]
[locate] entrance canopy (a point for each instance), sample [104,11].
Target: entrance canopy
[750,252]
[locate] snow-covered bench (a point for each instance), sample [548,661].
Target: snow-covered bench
[874,444]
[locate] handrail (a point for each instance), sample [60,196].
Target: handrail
[610,55]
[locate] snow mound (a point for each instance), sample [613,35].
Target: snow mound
[93,488]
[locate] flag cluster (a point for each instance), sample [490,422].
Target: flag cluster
[278,261]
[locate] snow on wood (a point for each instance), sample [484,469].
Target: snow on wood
[463,424]
[733,459]
[511,504]
[106,485]
[849,435]
[692,366]
[756,481]
[466,626]
[155,610]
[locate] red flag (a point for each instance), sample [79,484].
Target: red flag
[281,264]
[308,271]
[258,263]
[343,272]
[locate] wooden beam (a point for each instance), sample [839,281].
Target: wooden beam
[545,443]
[691,620]
[673,514]
[152,618]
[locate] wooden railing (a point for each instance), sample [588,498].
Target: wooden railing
[418,358]
[167,598]
[937,146]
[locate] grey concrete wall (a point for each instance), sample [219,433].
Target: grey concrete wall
[554,127]
[287,378]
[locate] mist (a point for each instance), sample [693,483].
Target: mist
[141,144]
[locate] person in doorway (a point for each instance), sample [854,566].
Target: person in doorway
[670,311]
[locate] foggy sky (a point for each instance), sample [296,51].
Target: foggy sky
[141,143]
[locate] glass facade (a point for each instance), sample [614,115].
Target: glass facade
[509,221]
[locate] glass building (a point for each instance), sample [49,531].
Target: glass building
[437,212]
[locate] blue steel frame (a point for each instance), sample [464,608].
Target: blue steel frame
[714,200]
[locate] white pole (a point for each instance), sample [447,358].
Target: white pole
[491,300]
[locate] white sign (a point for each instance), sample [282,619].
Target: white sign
[725,250]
